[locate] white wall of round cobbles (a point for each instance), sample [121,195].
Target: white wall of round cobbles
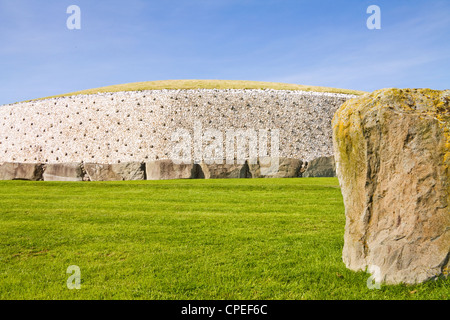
[137,126]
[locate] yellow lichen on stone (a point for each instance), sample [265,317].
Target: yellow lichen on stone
[392,152]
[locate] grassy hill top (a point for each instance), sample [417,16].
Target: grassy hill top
[206,84]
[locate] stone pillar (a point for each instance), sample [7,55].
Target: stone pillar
[392,151]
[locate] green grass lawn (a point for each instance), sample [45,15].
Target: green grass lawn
[182,239]
[207,84]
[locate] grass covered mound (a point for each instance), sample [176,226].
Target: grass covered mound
[182,239]
[207,84]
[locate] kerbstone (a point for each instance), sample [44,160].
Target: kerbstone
[282,167]
[321,167]
[64,172]
[115,172]
[21,171]
[168,170]
[224,171]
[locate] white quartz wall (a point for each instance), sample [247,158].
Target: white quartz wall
[137,126]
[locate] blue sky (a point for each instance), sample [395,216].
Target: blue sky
[313,42]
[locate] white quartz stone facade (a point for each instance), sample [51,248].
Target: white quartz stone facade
[138,126]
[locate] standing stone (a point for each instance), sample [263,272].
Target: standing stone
[21,171]
[320,167]
[269,168]
[115,172]
[167,170]
[392,149]
[64,172]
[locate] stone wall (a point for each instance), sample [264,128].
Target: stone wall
[162,170]
[137,126]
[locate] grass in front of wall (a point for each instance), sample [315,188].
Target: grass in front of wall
[206,84]
[182,239]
